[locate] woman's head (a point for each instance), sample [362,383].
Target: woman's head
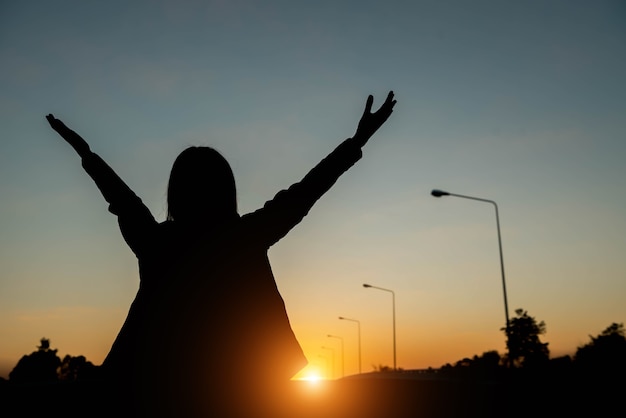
[201,186]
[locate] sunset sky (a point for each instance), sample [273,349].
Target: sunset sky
[521,102]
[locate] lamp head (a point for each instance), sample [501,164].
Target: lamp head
[439,193]
[367,285]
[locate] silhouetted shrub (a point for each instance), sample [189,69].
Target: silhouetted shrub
[40,366]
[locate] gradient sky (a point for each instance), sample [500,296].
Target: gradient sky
[523,103]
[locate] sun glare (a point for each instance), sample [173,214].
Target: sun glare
[312,378]
[311,375]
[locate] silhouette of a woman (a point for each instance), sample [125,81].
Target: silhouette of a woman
[208,321]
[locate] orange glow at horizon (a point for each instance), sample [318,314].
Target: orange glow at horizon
[310,373]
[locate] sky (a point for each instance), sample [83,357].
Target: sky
[521,103]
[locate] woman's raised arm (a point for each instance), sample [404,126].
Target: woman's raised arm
[71,137]
[290,206]
[135,220]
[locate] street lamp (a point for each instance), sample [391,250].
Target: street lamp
[342,353]
[332,352]
[359,335]
[326,361]
[440,193]
[393,302]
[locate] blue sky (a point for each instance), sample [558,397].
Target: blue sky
[519,102]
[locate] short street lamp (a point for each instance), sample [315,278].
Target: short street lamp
[332,351]
[342,353]
[393,305]
[359,335]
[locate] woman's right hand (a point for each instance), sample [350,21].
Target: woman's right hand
[71,137]
[370,122]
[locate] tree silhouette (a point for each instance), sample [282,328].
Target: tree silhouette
[383,368]
[38,367]
[605,354]
[76,368]
[525,349]
[488,361]
[484,367]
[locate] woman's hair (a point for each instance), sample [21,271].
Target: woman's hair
[201,186]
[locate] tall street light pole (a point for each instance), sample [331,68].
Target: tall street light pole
[342,354]
[440,193]
[393,302]
[359,335]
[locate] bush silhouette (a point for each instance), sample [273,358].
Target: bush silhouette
[41,366]
[605,354]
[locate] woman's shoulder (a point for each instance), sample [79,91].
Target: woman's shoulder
[167,229]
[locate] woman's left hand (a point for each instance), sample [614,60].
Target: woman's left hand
[71,137]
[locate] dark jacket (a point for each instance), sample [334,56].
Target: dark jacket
[208,308]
